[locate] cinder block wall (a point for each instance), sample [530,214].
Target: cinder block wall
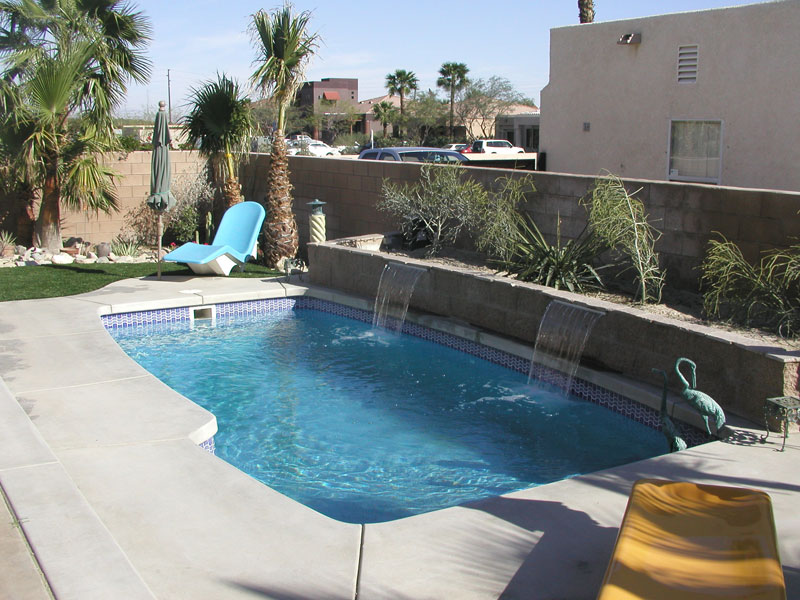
[686,214]
[736,371]
[133,187]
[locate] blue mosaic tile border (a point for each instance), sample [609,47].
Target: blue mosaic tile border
[147,317]
[585,390]
[231,310]
[208,445]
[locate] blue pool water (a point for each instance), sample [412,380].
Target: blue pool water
[368,426]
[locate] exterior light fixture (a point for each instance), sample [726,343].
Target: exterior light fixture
[630,38]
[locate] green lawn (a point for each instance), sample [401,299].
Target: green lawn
[49,281]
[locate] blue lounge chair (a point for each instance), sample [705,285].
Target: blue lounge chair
[233,244]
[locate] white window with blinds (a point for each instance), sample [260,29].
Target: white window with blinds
[688,62]
[695,151]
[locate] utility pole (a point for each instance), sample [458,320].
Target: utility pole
[169,98]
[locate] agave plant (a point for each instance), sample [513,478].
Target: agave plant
[566,265]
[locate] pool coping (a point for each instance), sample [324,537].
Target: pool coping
[114,540]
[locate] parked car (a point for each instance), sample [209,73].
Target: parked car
[314,147]
[455,147]
[298,138]
[495,147]
[413,154]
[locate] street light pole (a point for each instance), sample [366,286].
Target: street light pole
[169,98]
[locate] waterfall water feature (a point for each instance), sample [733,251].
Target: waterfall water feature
[563,332]
[394,293]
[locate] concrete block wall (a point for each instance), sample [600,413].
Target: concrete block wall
[686,214]
[737,371]
[133,187]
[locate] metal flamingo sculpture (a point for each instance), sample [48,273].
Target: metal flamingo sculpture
[668,428]
[702,403]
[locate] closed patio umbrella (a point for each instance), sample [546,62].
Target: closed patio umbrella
[160,198]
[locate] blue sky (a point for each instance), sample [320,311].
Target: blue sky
[368,39]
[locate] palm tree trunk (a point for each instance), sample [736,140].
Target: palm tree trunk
[280,240]
[47,232]
[452,111]
[586,11]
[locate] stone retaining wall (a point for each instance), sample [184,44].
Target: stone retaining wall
[737,371]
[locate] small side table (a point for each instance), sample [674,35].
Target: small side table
[786,409]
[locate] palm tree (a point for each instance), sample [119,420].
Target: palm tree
[586,11]
[284,48]
[401,82]
[66,66]
[385,113]
[221,121]
[453,77]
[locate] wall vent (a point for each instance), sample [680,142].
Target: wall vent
[687,64]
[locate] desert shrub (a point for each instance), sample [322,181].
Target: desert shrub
[619,220]
[193,195]
[562,265]
[494,225]
[441,203]
[765,295]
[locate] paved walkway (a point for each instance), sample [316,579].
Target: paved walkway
[107,494]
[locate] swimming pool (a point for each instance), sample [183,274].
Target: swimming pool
[368,426]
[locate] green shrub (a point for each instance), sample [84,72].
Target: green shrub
[763,295]
[619,220]
[566,265]
[131,144]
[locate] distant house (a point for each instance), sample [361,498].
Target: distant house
[329,100]
[370,123]
[708,96]
[144,133]
[520,126]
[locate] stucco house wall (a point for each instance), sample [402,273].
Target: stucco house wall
[609,106]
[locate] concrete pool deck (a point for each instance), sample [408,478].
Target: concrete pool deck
[108,495]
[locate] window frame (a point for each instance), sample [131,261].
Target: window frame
[692,179]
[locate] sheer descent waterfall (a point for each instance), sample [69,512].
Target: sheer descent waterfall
[563,332]
[394,293]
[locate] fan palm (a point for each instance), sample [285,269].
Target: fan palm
[221,122]
[402,83]
[66,66]
[284,47]
[384,112]
[453,77]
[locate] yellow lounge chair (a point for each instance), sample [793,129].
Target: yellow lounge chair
[689,541]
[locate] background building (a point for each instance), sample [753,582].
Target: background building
[708,96]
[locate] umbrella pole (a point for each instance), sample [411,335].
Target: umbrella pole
[160,232]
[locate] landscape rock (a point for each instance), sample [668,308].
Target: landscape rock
[20,250]
[85,260]
[62,259]
[103,260]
